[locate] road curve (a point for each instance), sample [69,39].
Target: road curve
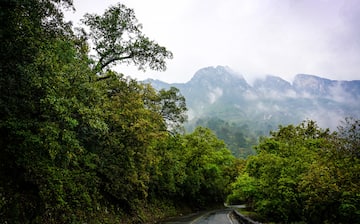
[222,216]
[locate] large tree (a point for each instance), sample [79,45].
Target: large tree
[118,39]
[79,142]
[57,121]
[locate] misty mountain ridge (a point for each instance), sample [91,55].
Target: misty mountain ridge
[269,101]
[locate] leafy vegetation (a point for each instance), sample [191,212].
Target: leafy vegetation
[81,142]
[238,136]
[303,173]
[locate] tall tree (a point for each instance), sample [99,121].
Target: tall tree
[206,160]
[53,120]
[118,39]
[349,132]
[172,107]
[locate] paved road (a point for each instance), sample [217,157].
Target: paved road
[223,216]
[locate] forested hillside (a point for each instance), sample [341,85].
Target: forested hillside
[303,174]
[81,143]
[224,101]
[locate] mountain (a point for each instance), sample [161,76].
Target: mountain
[219,93]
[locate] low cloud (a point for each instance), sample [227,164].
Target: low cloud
[215,94]
[326,118]
[339,94]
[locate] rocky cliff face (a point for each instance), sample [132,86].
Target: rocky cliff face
[220,92]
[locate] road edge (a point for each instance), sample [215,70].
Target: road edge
[243,219]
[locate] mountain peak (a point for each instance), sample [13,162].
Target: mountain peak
[220,92]
[217,71]
[313,85]
[213,77]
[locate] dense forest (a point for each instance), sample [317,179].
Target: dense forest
[82,143]
[304,173]
[238,136]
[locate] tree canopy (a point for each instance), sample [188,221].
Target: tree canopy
[81,142]
[303,173]
[117,38]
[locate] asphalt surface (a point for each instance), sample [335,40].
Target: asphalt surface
[221,216]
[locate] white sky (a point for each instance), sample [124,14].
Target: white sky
[252,37]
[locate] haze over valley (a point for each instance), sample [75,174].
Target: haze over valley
[218,96]
[84,141]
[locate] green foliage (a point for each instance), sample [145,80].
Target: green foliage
[194,169]
[172,108]
[349,135]
[118,38]
[81,143]
[244,190]
[301,173]
[239,138]
[206,159]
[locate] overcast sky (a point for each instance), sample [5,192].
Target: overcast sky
[252,37]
